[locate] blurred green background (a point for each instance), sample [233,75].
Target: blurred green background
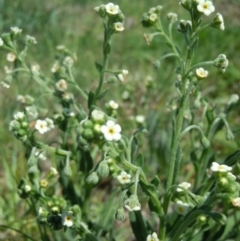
[75,24]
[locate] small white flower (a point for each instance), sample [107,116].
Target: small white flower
[118,26]
[124,178]
[172,17]
[35,68]
[113,104]
[218,22]
[112,9]
[236,202]
[61,85]
[111,131]
[67,219]
[7,70]
[181,207]
[11,57]
[31,39]
[27,188]
[19,116]
[41,126]
[16,30]
[1,42]
[122,75]
[234,98]
[140,118]
[220,168]
[40,211]
[152,237]
[205,7]
[55,68]
[98,115]
[68,61]
[153,17]
[183,185]
[201,73]
[50,124]
[125,94]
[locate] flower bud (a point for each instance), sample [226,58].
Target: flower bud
[6,37]
[55,210]
[184,26]
[93,178]
[132,203]
[103,169]
[42,215]
[101,11]
[15,32]
[172,17]
[187,4]
[233,99]
[221,62]
[120,214]
[98,116]
[218,22]
[88,134]
[67,170]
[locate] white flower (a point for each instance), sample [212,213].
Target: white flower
[16,30]
[41,126]
[111,131]
[1,42]
[35,68]
[205,7]
[113,104]
[98,115]
[153,17]
[27,188]
[124,178]
[68,61]
[220,168]
[55,68]
[201,73]
[19,116]
[132,203]
[67,219]
[112,9]
[234,98]
[50,124]
[181,207]
[183,185]
[31,39]
[32,111]
[118,26]
[122,75]
[140,118]
[236,202]
[152,237]
[61,85]
[11,57]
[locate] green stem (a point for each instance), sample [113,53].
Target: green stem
[190,128]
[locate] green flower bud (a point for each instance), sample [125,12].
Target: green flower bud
[221,62]
[97,129]
[120,214]
[103,169]
[218,22]
[93,178]
[67,170]
[87,124]
[187,4]
[145,21]
[6,37]
[14,125]
[55,210]
[88,134]
[101,11]
[184,26]
[76,210]
[132,203]
[98,116]
[15,32]
[55,222]
[42,215]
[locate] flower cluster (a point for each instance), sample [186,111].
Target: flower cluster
[151,18]
[114,15]
[19,126]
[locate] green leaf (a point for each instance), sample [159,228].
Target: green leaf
[233,158]
[138,225]
[134,147]
[218,217]
[139,160]
[99,67]
[91,97]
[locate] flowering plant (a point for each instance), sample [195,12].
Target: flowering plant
[89,146]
